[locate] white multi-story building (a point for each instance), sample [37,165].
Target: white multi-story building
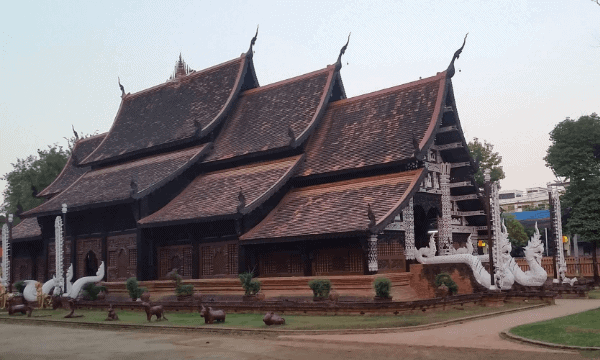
[535,198]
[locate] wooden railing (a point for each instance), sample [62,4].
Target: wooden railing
[586,268]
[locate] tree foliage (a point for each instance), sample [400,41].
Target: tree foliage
[572,155]
[516,231]
[487,158]
[38,171]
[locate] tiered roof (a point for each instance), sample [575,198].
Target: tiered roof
[72,172]
[338,207]
[120,183]
[280,115]
[377,128]
[27,229]
[178,111]
[226,192]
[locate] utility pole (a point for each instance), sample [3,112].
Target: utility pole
[10,259]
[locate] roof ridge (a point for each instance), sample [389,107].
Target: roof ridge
[181,79]
[368,179]
[290,80]
[253,165]
[388,90]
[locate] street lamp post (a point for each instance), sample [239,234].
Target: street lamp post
[64,250]
[487,188]
[10,221]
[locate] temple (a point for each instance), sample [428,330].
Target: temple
[212,174]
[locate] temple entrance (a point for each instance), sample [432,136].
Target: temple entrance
[91,264]
[122,263]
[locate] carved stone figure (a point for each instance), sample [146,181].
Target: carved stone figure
[74,290]
[211,315]
[158,310]
[3,296]
[72,306]
[536,275]
[273,319]
[112,314]
[22,308]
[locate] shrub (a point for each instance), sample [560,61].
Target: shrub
[180,289]
[91,290]
[20,286]
[320,287]
[445,279]
[251,287]
[383,287]
[132,287]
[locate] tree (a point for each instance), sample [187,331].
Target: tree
[571,155]
[34,171]
[516,230]
[488,159]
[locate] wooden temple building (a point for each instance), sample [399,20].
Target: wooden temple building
[212,174]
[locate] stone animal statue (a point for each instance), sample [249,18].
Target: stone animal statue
[273,319]
[211,315]
[72,306]
[22,308]
[158,310]
[112,314]
[3,296]
[534,251]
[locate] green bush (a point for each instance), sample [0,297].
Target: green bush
[251,287]
[91,290]
[20,286]
[320,287]
[180,289]
[383,287]
[132,287]
[445,279]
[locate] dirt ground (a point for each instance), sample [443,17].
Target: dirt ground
[48,342]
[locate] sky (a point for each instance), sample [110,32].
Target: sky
[526,66]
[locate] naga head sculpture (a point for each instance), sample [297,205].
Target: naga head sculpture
[535,248]
[505,245]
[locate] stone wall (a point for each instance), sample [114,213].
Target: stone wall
[423,278]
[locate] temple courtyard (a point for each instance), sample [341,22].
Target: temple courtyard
[469,340]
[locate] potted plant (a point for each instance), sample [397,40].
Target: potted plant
[183,292]
[383,288]
[134,291]
[320,288]
[444,285]
[251,287]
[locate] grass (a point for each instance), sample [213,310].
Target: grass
[594,294]
[293,322]
[581,329]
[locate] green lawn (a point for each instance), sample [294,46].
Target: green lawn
[293,322]
[581,329]
[594,294]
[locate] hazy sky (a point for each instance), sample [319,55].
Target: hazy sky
[526,66]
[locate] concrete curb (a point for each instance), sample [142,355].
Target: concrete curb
[512,337]
[230,330]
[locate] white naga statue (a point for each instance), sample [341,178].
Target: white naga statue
[536,275]
[74,290]
[509,271]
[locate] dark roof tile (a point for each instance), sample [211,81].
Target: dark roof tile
[262,118]
[375,128]
[28,228]
[71,172]
[167,114]
[216,193]
[113,183]
[336,208]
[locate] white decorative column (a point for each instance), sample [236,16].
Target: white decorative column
[58,251]
[5,262]
[408,216]
[496,229]
[372,255]
[561,265]
[474,240]
[445,226]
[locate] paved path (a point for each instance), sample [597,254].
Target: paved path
[479,334]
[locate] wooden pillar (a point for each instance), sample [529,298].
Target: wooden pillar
[445,225]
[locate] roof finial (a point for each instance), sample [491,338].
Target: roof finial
[291,135]
[450,72]
[342,51]
[250,52]
[133,186]
[371,216]
[122,88]
[241,201]
[75,132]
